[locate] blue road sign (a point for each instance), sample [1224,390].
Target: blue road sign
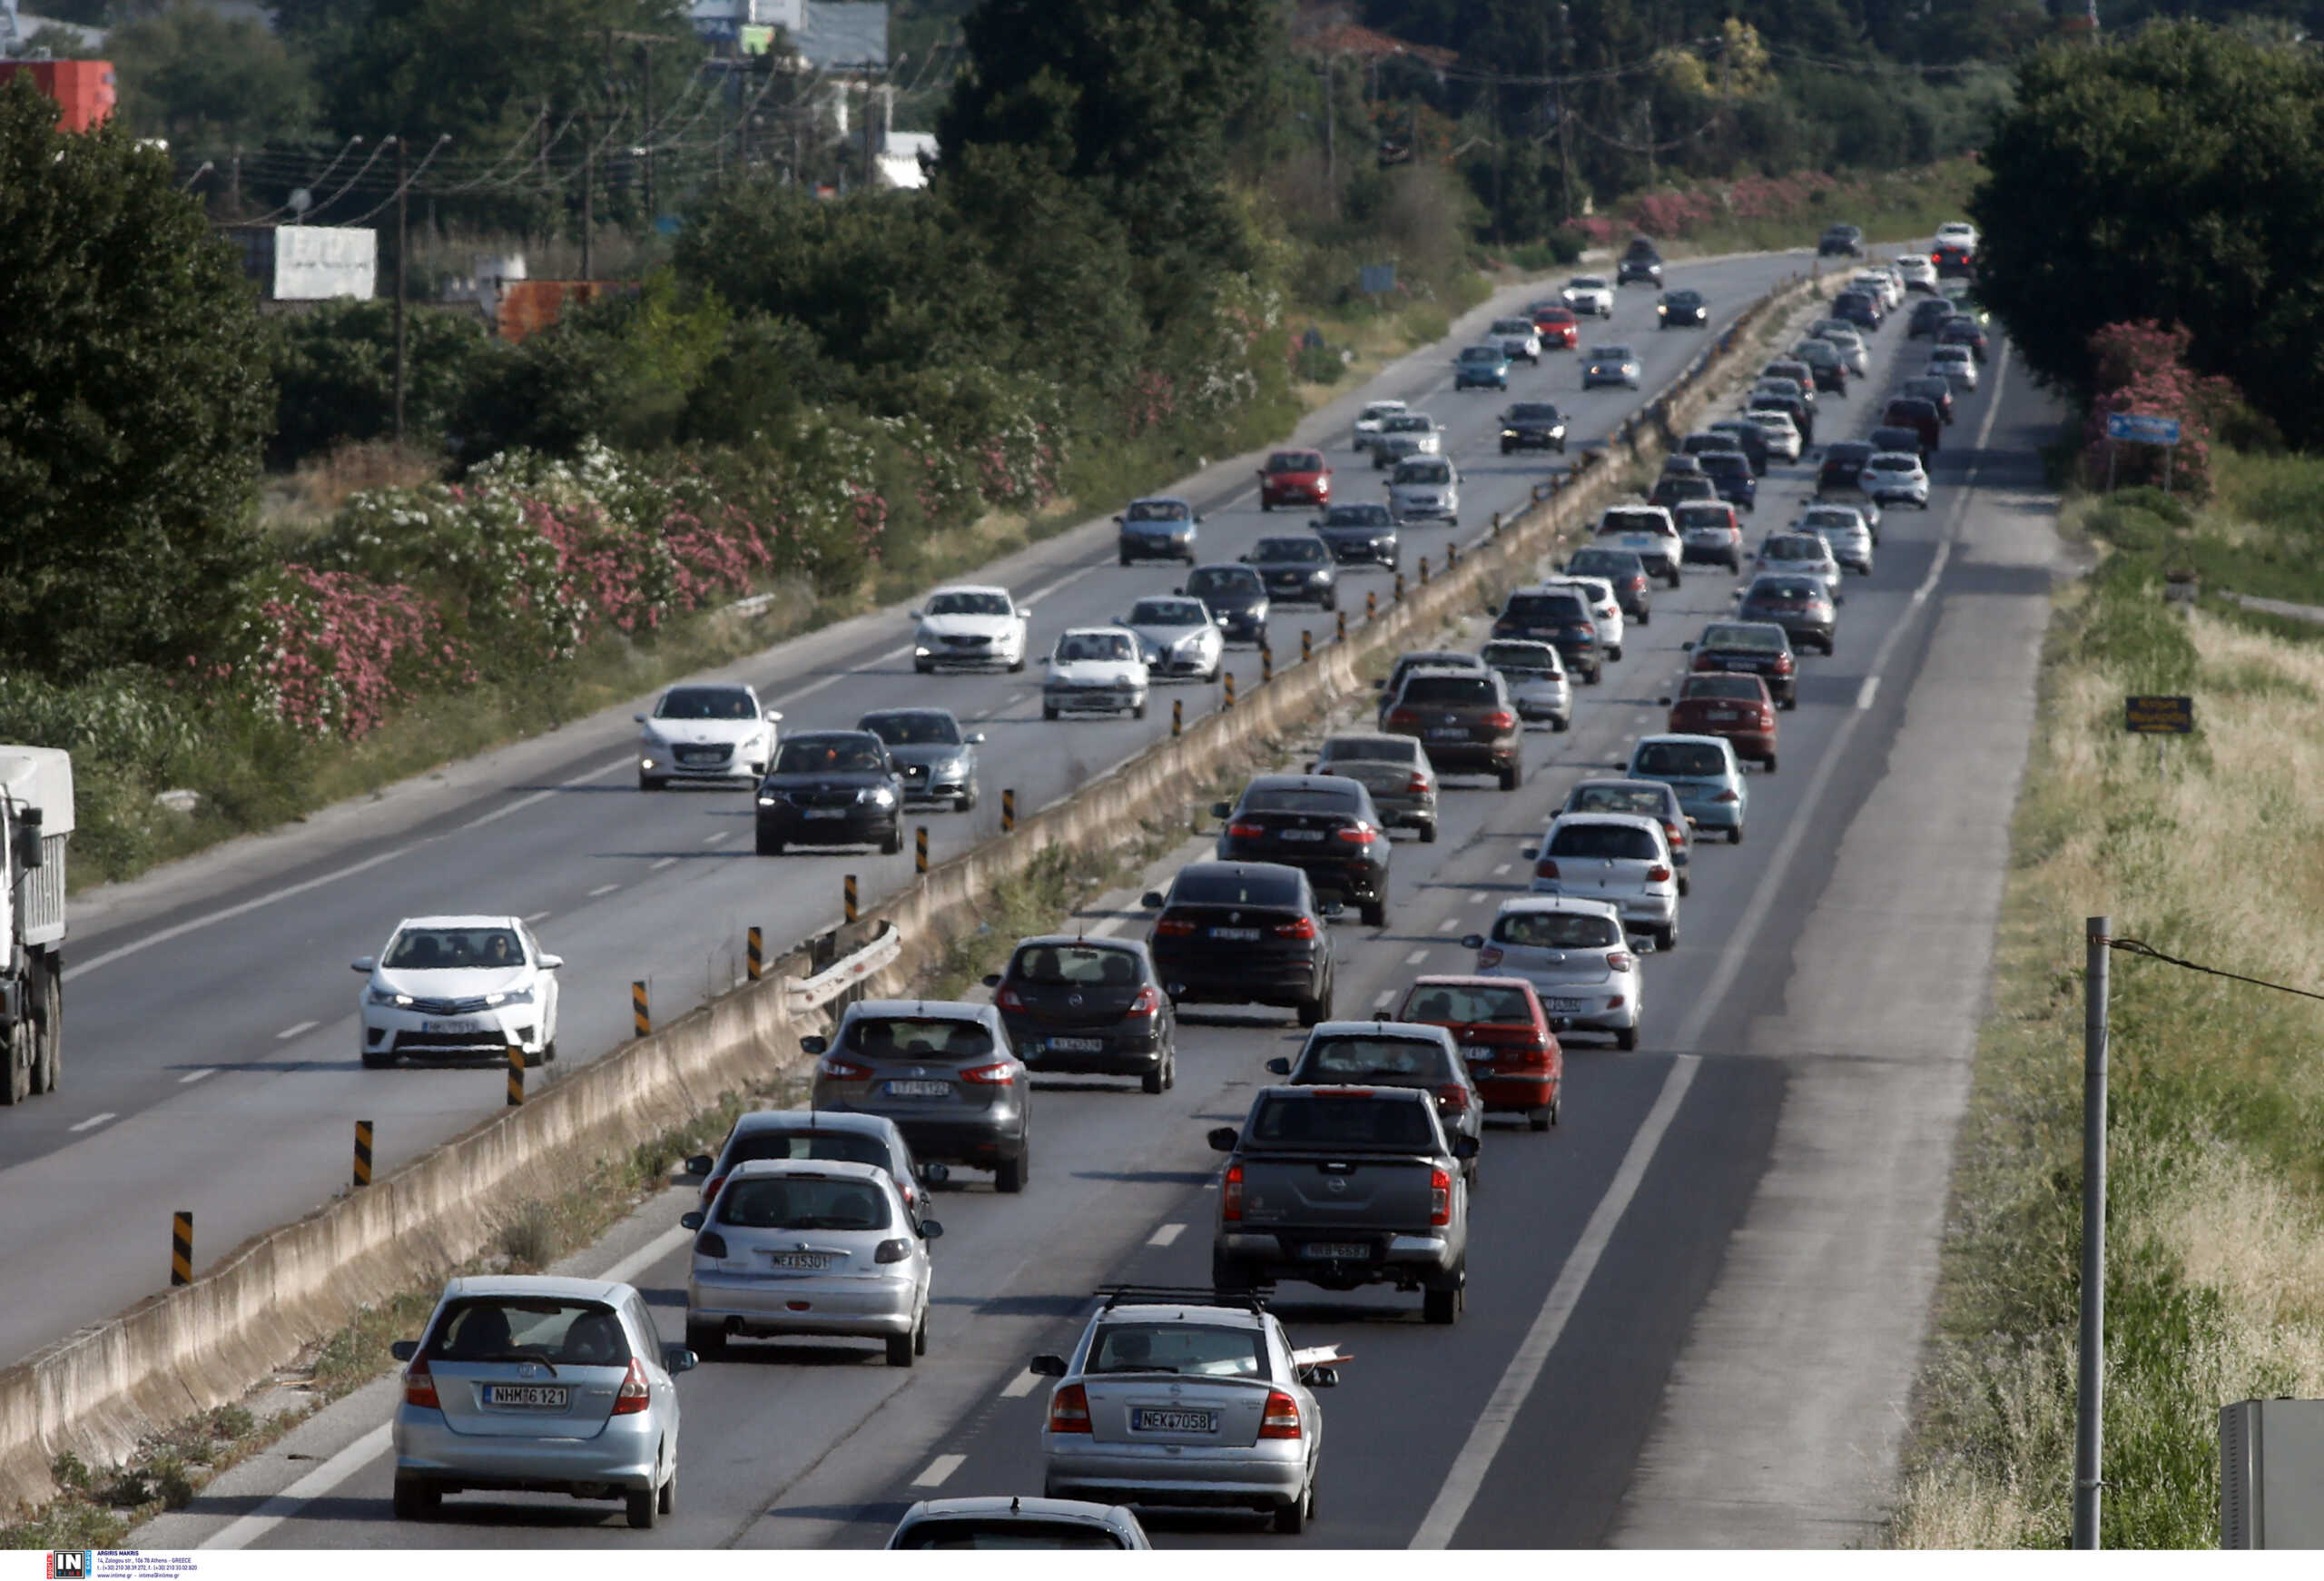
[2144,430]
[1378,279]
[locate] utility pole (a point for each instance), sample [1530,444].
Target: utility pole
[645,51]
[588,195]
[1331,138]
[1565,142]
[2089,1426]
[234,189]
[403,275]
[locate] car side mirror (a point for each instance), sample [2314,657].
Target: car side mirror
[811,1044]
[1663,702]
[702,1163]
[992,980]
[976,738]
[1279,1066]
[936,1174]
[1220,809]
[1046,1367]
[404,1349]
[1309,768]
[775,716]
[912,615]
[1464,1147]
[1024,612]
[929,1229]
[1224,1138]
[1151,900]
[679,1359]
[691,1219]
[1380,685]
[1642,944]
[1117,521]
[1529,851]
[1178,592]
[1320,1377]
[552,962]
[1472,941]
[638,718]
[363,964]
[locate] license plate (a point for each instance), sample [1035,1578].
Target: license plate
[1143,1419]
[1448,733]
[920,1089]
[1565,1006]
[1476,1054]
[827,812]
[1077,1045]
[1234,932]
[813,1262]
[1725,714]
[1336,1252]
[526,1397]
[1742,664]
[451,1026]
[1299,834]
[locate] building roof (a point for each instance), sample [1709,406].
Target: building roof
[1331,30]
[849,37]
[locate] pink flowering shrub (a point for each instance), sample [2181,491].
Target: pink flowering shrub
[336,651]
[2140,367]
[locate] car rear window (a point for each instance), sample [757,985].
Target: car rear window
[1456,1004]
[1088,963]
[1449,690]
[562,1330]
[1189,1349]
[1372,1058]
[1605,563]
[1744,639]
[1630,521]
[1683,758]
[852,1146]
[1612,840]
[1343,803]
[1525,658]
[1332,1119]
[1556,930]
[1220,887]
[968,1533]
[1546,608]
[918,1037]
[1743,689]
[1370,749]
[1725,462]
[803,1202]
[1614,798]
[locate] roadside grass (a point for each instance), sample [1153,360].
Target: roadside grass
[1891,207]
[2206,849]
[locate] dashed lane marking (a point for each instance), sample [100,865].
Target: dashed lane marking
[94,1122]
[1166,1235]
[1415,959]
[939,1470]
[288,1033]
[190,1077]
[1018,1386]
[603,889]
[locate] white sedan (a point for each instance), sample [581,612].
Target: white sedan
[1589,293]
[1919,270]
[1368,421]
[969,627]
[1177,636]
[1894,475]
[1095,670]
[458,985]
[1783,434]
[705,733]
[1957,233]
[1956,364]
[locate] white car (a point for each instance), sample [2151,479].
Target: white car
[1177,636]
[705,733]
[1845,529]
[1957,233]
[1648,531]
[1799,553]
[1405,433]
[1537,680]
[1850,341]
[1589,293]
[1620,858]
[810,1246]
[1368,421]
[1956,364]
[1425,488]
[969,627]
[1783,434]
[1919,270]
[1881,284]
[1604,609]
[1519,340]
[457,985]
[1095,670]
[1573,951]
[1894,475]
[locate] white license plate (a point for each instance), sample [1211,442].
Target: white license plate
[920,1089]
[1299,834]
[1448,733]
[451,1026]
[827,812]
[1336,1252]
[1565,1006]
[1742,664]
[1234,932]
[1725,714]
[1145,1419]
[1475,1053]
[1077,1045]
[526,1397]
[811,1262]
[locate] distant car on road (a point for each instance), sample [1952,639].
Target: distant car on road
[1589,293]
[944,1071]
[1610,365]
[1425,489]
[1160,529]
[936,758]
[1088,1007]
[1532,425]
[1893,475]
[1296,570]
[1480,368]
[1801,604]
[1841,242]
[1244,933]
[1393,769]
[1736,706]
[1389,1053]
[831,787]
[1705,771]
[1514,1058]
[1560,617]
[1536,678]
[705,733]
[1684,310]
[1323,824]
[1558,329]
[1177,637]
[1618,857]
[1517,338]
[1573,951]
[1095,670]
[1641,264]
[1010,1523]
[1368,422]
[1467,721]
[1756,647]
[1235,598]
[1360,534]
[458,985]
[1410,433]
[1295,478]
[970,626]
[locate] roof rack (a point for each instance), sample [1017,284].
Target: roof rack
[1254,1300]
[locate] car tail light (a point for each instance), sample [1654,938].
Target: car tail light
[1170,928]
[1620,960]
[1677,833]
[1658,874]
[1727,795]
[1361,834]
[419,1385]
[710,1244]
[1635,582]
[636,1394]
[892,1252]
[1148,1003]
[1416,785]
[1403,716]
[1439,1198]
[1545,868]
[1281,1420]
[1535,1052]
[840,1069]
[709,1188]
[1587,629]
[1302,928]
[1230,1195]
[998,1075]
[1489,956]
[1246,831]
[1007,999]
[1070,1410]
[1452,1095]
[1500,719]
[1783,664]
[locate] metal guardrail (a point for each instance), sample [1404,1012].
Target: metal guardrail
[846,973]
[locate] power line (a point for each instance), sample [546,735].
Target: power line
[2139,947]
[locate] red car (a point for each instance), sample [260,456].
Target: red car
[1514,1058]
[1295,478]
[1737,707]
[1557,326]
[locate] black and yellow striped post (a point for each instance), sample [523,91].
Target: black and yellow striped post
[919,848]
[640,1015]
[1229,700]
[1267,663]
[1177,717]
[755,949]
[847,893]
[1496,524]
[1423,570]
[362,1153]
[181,1249]
[1340,621]
[517,1076]
[1307,645]
[1371,604]
[1451,557]
[1008,812]
[1400,587]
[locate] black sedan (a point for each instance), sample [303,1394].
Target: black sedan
[831,787]
[1840,241]
[1296,570]
[1359,535]
[1235,597]
[1960,330]
[1242,932]
[1323,824]
[1753,647]
[1683,309]
[1930,316]
[1532,425]
[1088,1007]
[1561,618]
[1859,308]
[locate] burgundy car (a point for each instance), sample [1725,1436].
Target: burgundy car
[1737,707]
[1514,1057]
[1295,478]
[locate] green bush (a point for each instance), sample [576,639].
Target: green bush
[1317,364]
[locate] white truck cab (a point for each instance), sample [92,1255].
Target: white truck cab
[35,821]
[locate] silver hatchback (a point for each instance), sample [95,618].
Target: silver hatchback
[533,1384]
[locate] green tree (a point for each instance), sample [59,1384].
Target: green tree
[132,401]
[334,374]
[196,77]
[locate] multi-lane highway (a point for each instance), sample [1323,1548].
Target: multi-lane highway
[1601,1253]
[212,1062]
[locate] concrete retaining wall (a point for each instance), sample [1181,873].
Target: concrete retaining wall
[184,1351]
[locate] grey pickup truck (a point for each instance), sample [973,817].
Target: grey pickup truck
[1341,1186]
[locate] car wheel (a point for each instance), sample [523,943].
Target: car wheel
[1512,777]
[1048,711]
[1539,1119]
[1665,939]
[1442,1304]
[1018,668]
[969,797]
[1626,1039]
[1314,1012]
[1614,652]
[1151,1083]
[1428,833]
[1791,702]
[1265,503]
[920,1336]
[1646,616]
[1735,835]
[1560,723]
[416,1500]
[1124,559]
[706,1340]
[900,1350]
[374,1060]
[644,1505]
[1138,711]
[1331,601]
[1375,913]
[1830,644]
[1290,1519]
[769,845]
[1596,672]
[1770,761]
[1009,1178]
[668,1504]
[923,667]
[548,1053]
[646,783]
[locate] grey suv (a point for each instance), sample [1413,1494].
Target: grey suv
[945,1073]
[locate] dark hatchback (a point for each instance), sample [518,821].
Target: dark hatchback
[1730,473]
[1747,434]
[1641,264]
[1933,388]
[1930,316]
[1843,461]
[1859,308]
[1242,932]
[1751,648]
[1840,241]
[831,787]
[1910,412]
[1888,436]
[1324,825]
[1685,308]
[1562,619]
[1359,535]
[1235,598]
[1802,605]
[1963,330]
[1673,489]
[1296,570]
[1088,1007]
[1532,425]
[1467,722]
[1624,570]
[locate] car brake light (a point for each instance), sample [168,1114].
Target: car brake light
[1007,998]
[1587,629]
[840,1069]
[1545,868]
[1490,955]
[1070,1410]
[998,1075]
[1246,831]
[1783,664]
[1170,928]
[1302,928]
[1148,1003]
[1403,716]
[1727,795]
[710,1244]
[419,1385]
[1452,1095]
[636,1394]
[1416,785]
[1658,874]
[1677,834]
[1620,960]
[1230,1195]
[1500,719]
[1439,1198]
[1282,1417]
[709,1188]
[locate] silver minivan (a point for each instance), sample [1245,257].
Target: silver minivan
[1619,857]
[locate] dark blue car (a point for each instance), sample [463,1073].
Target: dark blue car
[1730,473]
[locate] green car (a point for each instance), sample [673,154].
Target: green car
[1480,368]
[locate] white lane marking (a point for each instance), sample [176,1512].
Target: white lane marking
[288,1033]
[1448,924]
[271,1514]
[646,1256]
[1864,693]
[228,914]
[1166,1235]
[1101,927]
[1018,1386]
[1416,957]
[1479,898]
[95,1121]
[1038,594]
[190,1077]
[1503,870]
[1380,1001]
[521,803]
[713,839]
[536,916]
[603,889]
[939,1470]
[1492,1425]
[665,861]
